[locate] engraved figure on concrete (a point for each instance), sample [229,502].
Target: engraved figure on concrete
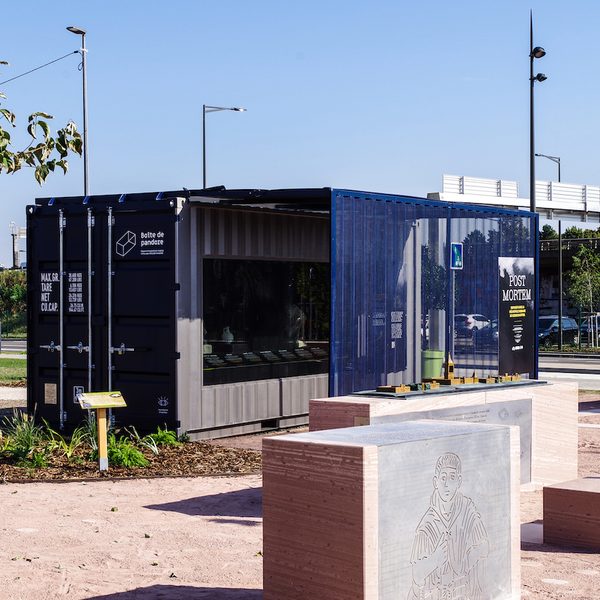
[451,542]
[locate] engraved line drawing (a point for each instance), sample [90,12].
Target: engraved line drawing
[126,243]
[451,543]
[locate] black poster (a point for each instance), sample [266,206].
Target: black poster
[516,316]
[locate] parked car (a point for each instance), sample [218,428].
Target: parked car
[472,321]
[486,338]
[548,331]
[463,327]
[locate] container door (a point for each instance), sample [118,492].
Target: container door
[141,337]
[101,311]
[61,251]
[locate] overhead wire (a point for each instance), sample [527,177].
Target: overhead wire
[40,67]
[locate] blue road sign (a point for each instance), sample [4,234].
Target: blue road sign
[456,255]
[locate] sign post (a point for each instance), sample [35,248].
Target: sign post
[100,401]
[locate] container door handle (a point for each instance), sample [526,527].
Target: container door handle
[51,347]
[80,348]
[120,350]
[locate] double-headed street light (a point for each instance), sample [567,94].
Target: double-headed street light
[554,159]
[208,109]
[536,52]
[82,32]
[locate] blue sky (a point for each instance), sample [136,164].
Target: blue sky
[384,96]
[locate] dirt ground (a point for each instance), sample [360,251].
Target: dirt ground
[201,537]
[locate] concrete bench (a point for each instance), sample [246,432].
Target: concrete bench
[550,442]
[426,509]
[572,513]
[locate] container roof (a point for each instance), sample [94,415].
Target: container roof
[309,200]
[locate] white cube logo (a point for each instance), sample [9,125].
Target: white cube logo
[126,243]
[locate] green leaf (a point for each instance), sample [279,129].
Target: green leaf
[45,128]
[31,129]
[9,116]
[40,114]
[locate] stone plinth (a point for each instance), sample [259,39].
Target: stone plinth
[393,511]
[572,513]
[553,437]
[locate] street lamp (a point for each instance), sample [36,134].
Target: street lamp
[208,109]
[555,159]
[83,51]
[14,232]
[534,53]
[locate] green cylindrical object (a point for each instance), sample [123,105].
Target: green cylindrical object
[431,363]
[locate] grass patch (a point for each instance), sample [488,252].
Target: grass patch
[13,371]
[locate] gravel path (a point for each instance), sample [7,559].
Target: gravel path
[200,538]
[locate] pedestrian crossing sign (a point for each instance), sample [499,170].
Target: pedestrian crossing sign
[456,255]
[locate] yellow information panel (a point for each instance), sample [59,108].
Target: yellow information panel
[92,400]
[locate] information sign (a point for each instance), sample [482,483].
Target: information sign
[95,400]
[456,255]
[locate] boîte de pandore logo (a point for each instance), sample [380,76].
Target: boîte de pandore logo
[126,243]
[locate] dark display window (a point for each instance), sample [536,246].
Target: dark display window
[264,319]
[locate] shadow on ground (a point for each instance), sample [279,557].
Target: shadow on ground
[241,503]
[183,592]
[556,549]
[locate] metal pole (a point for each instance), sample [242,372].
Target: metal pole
[204,146]
[558,170]
[110,306]
[109,294]
[560,287]
[85,124]
[15,251]
[61,298]
[90,224]
[531,132]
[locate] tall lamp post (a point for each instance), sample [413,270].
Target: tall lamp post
[208,109]
[554,159]
[82,32]
[536,52]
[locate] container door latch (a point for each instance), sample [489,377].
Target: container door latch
[80,348]
[120,350]
[51,347]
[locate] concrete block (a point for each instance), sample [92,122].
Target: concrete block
[554,406]
[397,511]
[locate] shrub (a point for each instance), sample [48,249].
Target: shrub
[23,436]
[122,452]
[164,437]
[66,445]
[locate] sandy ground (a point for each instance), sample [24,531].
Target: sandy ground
[161,538]
[201,538]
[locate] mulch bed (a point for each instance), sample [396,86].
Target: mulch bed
[21,383]
[191,459]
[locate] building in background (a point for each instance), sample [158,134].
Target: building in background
[554,201]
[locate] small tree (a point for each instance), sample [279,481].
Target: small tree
[13,301]
[42,154]
[584,279]
[548,233]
